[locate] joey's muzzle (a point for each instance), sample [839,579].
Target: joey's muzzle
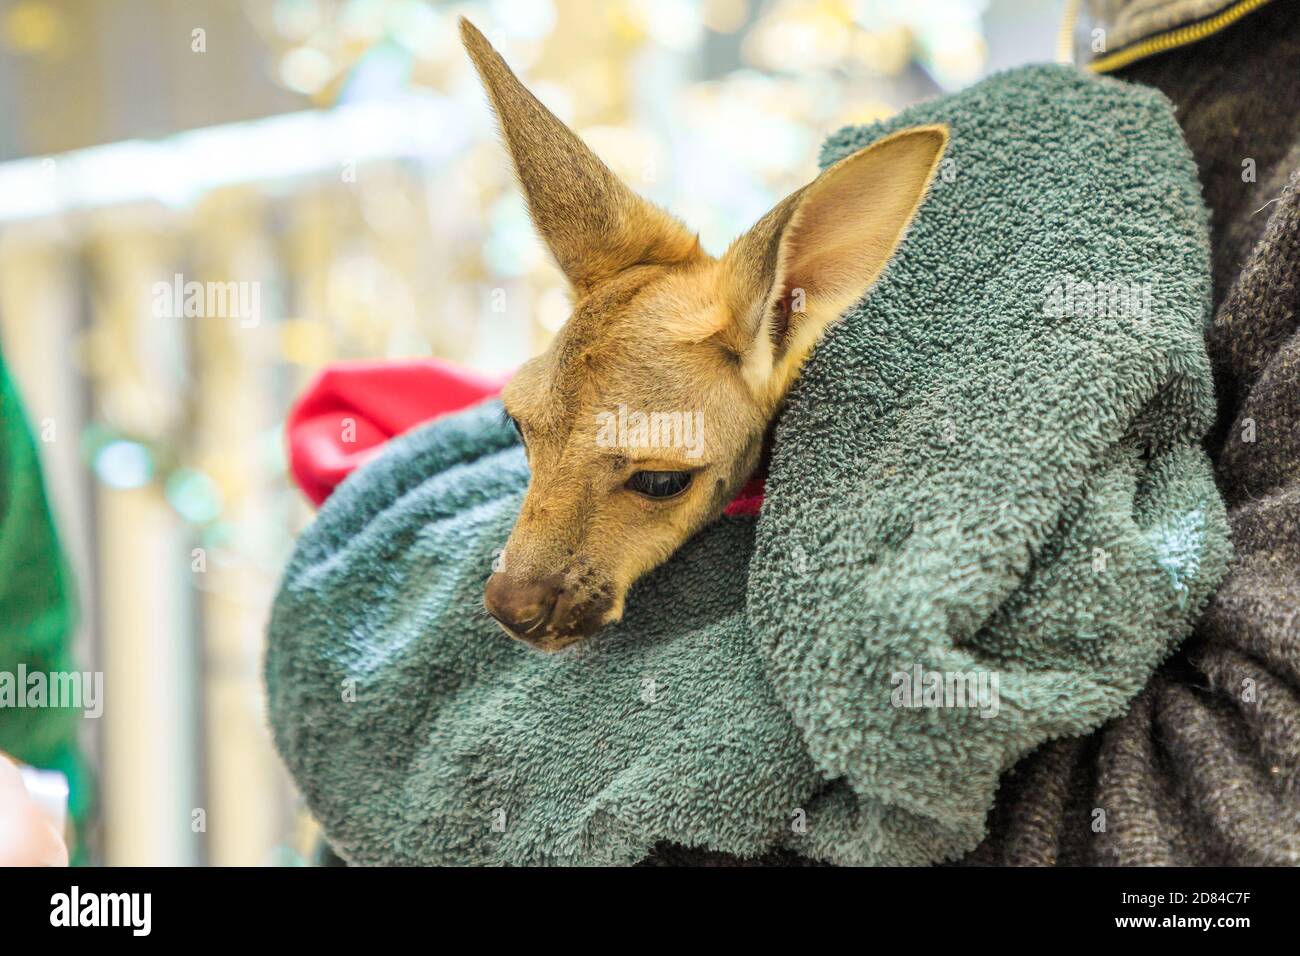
[545,613]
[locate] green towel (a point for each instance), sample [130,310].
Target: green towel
[991,467]
[37,608]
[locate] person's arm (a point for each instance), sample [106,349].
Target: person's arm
[27,835]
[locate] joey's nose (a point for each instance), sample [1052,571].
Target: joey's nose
[522,607]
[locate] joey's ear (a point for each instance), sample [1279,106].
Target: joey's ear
[594,225]
[819,250]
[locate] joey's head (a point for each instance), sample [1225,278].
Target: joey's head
[647,413]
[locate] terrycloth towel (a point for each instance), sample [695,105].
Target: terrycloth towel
[983,471]
[1204,768]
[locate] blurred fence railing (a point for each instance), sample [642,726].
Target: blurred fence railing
[354,232]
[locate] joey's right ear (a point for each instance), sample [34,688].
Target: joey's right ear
[593,224]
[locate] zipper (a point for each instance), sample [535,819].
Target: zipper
[1175,38]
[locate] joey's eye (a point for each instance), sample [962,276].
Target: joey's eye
[659,484]
[514,424]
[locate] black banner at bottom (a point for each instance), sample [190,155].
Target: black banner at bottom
[335,905]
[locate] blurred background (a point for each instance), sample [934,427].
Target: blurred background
[338,156]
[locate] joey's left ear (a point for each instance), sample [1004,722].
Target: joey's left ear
[819,251]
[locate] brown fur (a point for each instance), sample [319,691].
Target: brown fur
[658,325]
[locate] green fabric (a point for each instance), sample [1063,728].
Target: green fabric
[962,480]
[37,609]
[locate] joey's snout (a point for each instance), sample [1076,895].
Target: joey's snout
[521,608]
[547,613]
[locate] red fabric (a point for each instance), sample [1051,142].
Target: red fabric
[749,502]
[351,409]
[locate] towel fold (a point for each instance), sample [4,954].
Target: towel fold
[987,519]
